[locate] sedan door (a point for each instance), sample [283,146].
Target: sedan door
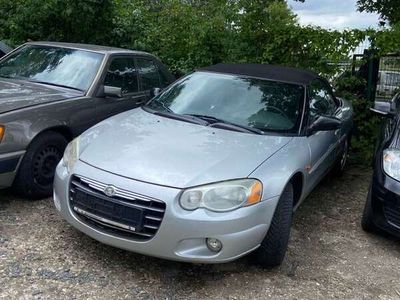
[323,144]
[121,73]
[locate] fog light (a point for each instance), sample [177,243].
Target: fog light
[214,245]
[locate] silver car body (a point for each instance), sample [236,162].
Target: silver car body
[29,109]
[149,157]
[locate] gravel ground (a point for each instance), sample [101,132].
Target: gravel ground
[329,256]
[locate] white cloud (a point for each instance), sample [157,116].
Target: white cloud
[333,14]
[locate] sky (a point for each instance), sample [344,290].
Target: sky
[333,14]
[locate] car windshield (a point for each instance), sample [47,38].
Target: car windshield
[257,103]
[52,65]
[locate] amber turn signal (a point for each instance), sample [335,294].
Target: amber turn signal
[255,194]
[2,131]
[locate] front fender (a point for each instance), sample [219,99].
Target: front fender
[278,170]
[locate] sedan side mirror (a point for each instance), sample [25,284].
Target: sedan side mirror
[110,91]
[383,109]
[324,123]
[155,92]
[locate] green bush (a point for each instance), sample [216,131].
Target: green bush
[189,34]
[366,124]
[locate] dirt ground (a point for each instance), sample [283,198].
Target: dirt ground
[329,256]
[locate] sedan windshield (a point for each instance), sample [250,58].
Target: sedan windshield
[254,103]
[52,65]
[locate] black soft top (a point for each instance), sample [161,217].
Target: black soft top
[270,72]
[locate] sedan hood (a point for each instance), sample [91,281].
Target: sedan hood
[146,147]
[16,94]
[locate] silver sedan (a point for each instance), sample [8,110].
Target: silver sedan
[209,170]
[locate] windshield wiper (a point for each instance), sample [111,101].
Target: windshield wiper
[159,104]
[214,122]
[185,118]
[56,84]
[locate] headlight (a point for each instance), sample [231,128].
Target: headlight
[223,196]
[391,163]
[71,154]
[2,131]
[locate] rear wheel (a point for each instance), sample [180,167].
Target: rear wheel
[36,172]
[273,248]
[341,163]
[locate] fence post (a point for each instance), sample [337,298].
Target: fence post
[373,70]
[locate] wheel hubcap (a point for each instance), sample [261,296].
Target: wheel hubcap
[44,165]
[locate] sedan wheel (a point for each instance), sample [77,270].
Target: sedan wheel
[35,175]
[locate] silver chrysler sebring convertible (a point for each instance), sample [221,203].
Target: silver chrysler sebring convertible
[209,170]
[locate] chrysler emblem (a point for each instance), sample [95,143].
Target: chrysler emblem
[109,190]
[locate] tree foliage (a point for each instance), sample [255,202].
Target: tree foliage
[389,10]
[187,34]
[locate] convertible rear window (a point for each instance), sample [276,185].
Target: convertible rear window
[258,103]
[52,65]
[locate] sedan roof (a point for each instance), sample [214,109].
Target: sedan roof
[270,72]
[5,48]
[88,47]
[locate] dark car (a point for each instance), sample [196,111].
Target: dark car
[382,208]
[52,92]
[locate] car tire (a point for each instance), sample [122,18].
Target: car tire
[273,248]
[366,222]
[35,175]
[340,164]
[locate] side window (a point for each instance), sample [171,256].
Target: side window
[164,78]
[122,73]
[322,102]
[148,73]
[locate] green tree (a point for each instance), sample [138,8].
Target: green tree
[57,20]
[389,10]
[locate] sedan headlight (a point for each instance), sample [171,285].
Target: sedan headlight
[71,154]
[391,163]
[223,196]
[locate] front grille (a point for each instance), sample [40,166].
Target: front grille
[125,214]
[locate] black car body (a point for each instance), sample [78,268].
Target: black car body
[382,208]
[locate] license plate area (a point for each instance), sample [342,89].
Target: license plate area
[112,212]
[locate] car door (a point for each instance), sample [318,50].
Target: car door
[150,76]
[322,144]
[121,73]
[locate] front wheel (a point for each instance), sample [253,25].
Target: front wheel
[366,222]
[273,248]
[35,175]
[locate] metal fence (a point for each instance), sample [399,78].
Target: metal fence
[388,82]
[381,74]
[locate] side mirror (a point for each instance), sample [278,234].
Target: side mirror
[155,92]
[109,91]
[383,109]
[324,123]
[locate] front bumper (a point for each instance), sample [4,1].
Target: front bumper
[9,163]
[385,202]
[182,234]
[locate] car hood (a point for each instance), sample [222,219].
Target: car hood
[150,148]
[16,94]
